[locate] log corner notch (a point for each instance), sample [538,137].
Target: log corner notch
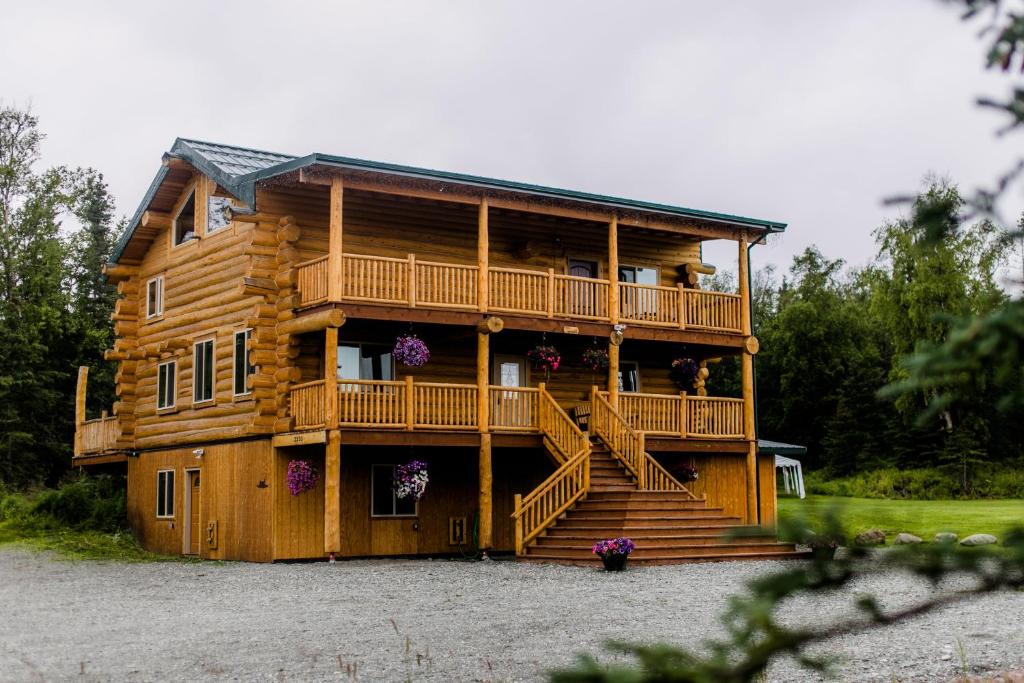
[116,272]
[80,388]
[314,322]
[490,325]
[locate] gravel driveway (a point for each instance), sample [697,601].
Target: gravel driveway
[426,620]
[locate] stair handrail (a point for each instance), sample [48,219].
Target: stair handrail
[539,509]
[627,445]
[563,437]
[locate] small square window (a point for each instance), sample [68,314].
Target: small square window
[155,297]
[202,372]
[166,384]
[165,494]
[384,502]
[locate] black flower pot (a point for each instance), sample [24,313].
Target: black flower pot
[615,562]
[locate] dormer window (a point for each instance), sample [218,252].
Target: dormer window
[185,221]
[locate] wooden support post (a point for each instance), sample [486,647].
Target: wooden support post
[483,367]
[682,414]
[83,380]
[412,280]
[332,493]
[482,257]
[551,293]
[410,405]
[744,286]
[486,488]
[518,506]
[335,255]
[613,374]
[682,305]
[613,270]
[331,377]
[747,378]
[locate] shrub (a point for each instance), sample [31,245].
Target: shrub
[93,503]
[931,483]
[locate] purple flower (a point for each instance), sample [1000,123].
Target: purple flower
[411,351]
[684,372]
[614,546]
[411,479]
[301,477]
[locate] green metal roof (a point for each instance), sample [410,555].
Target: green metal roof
[239,169]
[778,448]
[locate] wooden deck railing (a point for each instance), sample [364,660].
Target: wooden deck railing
[444,406]
[540,293]
[649,305]
[99,434]
[367,403]
[711,310]
[661,414]
[541,507]
[309,408]
[514,409]
[627,445]
[714,418]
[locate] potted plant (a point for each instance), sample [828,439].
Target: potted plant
[684,372]
[684,472]
[411,351]
[411,480]
[546,358]
[596,359]
[301,477]
[614,552]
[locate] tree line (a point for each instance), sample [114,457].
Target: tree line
[832,337]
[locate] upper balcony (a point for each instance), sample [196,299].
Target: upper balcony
[420,284]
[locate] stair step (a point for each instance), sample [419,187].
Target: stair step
[587,541]
[644,504]
[595,561]
[623,513]
[678,496]
[599,531]
[609,488]
[625,526]
[677,552]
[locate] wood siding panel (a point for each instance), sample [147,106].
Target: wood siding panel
[298,520]
[766,485]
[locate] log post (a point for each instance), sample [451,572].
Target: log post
[83,380]
[483,403]
[682,414]
[747,377]
[332,493]
[744,286]
[518,505]
[335,255]
[482,257]
[410,406]
[613,270]
[613,374]
[331,377]
[486,488]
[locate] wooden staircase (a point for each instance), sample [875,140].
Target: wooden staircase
[667,526]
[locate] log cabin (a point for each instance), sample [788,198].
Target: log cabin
[260,299]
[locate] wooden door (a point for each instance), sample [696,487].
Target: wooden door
[194,530]
[581,268]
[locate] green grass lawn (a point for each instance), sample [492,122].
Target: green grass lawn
[923,518]
[79,545]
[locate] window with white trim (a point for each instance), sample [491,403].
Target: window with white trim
[384,503]
[155,297]
[242,367]
[202,371]
[165,494]
[166,384]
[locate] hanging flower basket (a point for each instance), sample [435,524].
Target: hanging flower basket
[684,472]
[301,477]
[411,480]
[684,372]
[596,359]
[411,351]
[614,552]
[546,358]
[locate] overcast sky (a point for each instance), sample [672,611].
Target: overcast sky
[805,112]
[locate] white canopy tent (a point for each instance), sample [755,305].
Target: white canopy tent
[791,474]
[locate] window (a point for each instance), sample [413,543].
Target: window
[384,503]
[365,361]
[638,275]
[185,221]
[165,494]
[155,297]
[218,214]
[629,376]
[242,367]
[166,387]
[202,372]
